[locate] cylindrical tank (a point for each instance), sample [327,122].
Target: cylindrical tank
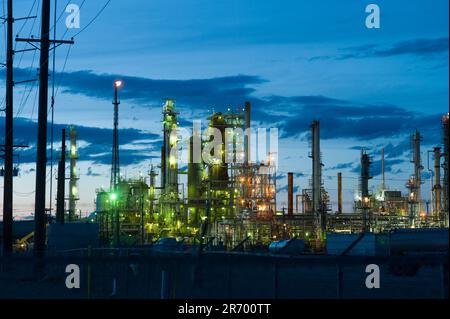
[219,171]
[102,202]
[291,246]
[407,240]
[290,193]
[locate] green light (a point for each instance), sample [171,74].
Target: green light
[113,196]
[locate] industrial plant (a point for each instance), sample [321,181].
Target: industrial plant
[208,218]
[233,204]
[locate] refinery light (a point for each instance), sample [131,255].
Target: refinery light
[118,83]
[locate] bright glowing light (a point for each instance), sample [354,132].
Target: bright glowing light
[118,83]
[173,139]
[113,196]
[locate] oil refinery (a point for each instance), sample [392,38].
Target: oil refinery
[200,200]
[233,203]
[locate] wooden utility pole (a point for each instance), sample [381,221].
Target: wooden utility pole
[9,138]
[41,163]
[60,199]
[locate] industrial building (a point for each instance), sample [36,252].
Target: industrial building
[232,204]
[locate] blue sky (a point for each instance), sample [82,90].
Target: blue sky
[295,60]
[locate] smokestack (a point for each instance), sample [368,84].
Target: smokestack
[415,139]
[247,137]
[61,181]
[290,193]
[383,185]
[340,193]
[317,208]
[437,181]
[365,199]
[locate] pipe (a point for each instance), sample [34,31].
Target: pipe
[383,185]
[339,193]
[290,193]
[437,181]
[247,136]
[317,208]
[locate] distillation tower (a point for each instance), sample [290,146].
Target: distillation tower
[73,178]
[415,182]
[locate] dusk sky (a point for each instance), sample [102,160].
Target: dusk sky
[295,60]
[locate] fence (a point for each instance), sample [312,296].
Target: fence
[123,273]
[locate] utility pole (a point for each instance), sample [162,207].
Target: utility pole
[39,214]
[9,138]
[41,163]
[61,181]
[9,171]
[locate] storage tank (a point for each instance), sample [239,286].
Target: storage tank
[291,246]
[102,202]
[419,240]
[369,245]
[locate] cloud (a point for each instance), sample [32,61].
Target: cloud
[201,93]
[291,114]
[341,166]
[283,176]
[415,47]
[346,119]
[285,188]
[95,143]
[375,167]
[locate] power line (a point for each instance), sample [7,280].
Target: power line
[52,108]
[95,17]
[78,13]
[29,14]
